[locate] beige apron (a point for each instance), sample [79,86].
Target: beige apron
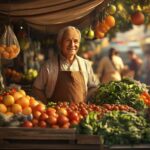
[70,86]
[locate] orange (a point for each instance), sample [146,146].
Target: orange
[3,108]
[37,114]
[22,92]
[5,55]
[8,113]
[110,21]
[99,35]
[103,27]
[8,100]
[40,107]
[33,102]
[17,95]
[27,111]
[16,108]
[23,101]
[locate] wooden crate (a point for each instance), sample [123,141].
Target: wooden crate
[47,138]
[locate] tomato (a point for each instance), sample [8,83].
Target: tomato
[55,126]
[74,116]
[84,112]
[66,125]
[39,107]
[50,110]
[27,124]
[42,124]
[43,116]
[62,111]
[116,108]
[62,120]
[35,122]
[37,114]
[108,106]
[74,122]
[51,120]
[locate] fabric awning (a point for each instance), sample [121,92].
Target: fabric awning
[51,14]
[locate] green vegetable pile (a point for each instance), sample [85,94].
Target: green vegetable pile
[124,128]
[117,127]
[125,92]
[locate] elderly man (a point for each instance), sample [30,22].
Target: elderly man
[65,77]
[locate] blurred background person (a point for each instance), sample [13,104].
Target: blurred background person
[135,64]
[146,69]
[110,67]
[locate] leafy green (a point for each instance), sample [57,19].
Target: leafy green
[125,92]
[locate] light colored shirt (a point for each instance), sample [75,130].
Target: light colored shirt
[48,74]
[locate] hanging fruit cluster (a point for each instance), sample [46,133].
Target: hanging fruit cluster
[9,46]
[103,27]
[126,13]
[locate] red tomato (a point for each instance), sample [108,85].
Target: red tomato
[36,114]
[51,120]
[84,112]
[66,125]
[35,122]
[62,120]
[74,122]
[74,116]
[42,124]
[50,110]
[55,126]
[27,124]
[40,107]
[43,116]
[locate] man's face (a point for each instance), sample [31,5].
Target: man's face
[70,43]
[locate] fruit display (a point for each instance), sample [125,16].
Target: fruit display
[9,52]
[31,74]
[13,75]
[53,115]
[109,118]
[9,46]
[104,26]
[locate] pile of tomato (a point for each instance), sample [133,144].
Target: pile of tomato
[67,115]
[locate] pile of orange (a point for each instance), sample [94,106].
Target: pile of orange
[14,102]
[103,27]
[12,74]
[9,52]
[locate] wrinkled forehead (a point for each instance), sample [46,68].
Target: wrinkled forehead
[71,33]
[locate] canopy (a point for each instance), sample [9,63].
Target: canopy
[50,15]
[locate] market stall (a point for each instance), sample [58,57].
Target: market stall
[116,117]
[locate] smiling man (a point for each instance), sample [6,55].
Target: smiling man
[66,77]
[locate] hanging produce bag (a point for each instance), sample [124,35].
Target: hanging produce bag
[9,46]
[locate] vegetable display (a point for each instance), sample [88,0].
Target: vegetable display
[125,92]
[117,127]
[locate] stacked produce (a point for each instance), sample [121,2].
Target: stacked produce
[14,76]
[119,114]
[117,127]
[54,115]
[126,92]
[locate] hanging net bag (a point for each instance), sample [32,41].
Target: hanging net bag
[9,46]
